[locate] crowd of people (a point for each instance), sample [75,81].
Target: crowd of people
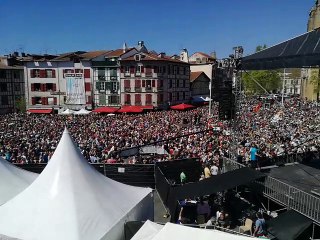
[265,130]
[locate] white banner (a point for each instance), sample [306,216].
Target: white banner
[75,89]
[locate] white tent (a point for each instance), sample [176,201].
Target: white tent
[147,231]
[71,200]
[13,180]
[82,112]
[67,112]
[180,232]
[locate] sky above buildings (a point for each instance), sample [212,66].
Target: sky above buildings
[39,26]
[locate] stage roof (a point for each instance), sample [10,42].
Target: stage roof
[298,52]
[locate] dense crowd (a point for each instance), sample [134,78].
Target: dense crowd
[265,130]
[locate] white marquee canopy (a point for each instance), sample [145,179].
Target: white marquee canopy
[71,200]
[13,180]
[180,232]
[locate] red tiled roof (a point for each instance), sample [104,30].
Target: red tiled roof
[194,75]
[203,54]
[93,54]
[44,111]
[153,57]
[117,52]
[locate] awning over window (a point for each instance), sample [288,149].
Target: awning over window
[40,111]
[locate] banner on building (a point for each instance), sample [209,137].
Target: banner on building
[75,88]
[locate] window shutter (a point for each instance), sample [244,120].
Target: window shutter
[43,73]
[121,69]
[137,98]
[53,73]
[54,87]
[148,99]
[41,88]
[128,99]
[127,83]
[153,83]
[131,69]
[43,101]
[89,101]
[32,87]
[33,100]
[44,87]
[143,83]
[87,87]
[55,101]
[32,73]
[137,83]
[87,73]
[142,69]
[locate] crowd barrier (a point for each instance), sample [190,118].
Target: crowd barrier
[141,175]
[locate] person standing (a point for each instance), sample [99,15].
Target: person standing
[206,171]
[260,226]
[183,178]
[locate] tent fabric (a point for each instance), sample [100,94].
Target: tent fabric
[289,225]
[67,112]
[182,106]
[71,200]
[147,231]
[181,232]
[105,110]
[297,52]
[130,109]
[13,180]
[82,112]
[40,111]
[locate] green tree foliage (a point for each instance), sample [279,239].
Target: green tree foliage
[315,80]
[21,104]
[269,80]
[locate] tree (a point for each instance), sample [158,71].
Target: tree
[269,80]
[21,104]
[315,81]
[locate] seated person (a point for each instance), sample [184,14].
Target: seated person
[223,220]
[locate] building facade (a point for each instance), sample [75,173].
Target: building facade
[55,82]
[153,80]
[12,93]
[199,84]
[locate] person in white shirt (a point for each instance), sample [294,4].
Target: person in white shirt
[214,170]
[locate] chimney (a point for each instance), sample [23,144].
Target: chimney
[140,43]
[184,57]
[161,55]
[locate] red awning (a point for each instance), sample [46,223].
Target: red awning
[182,106]
[44,111]
[147,107]
[105,110]
[131,109]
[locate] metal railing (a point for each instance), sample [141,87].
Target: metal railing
[291,197]
[283,193]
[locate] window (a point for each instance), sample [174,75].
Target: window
[148,85]
[100,86]
[113,73]
[49,87]
[49,73]
[16,74]
[4,100]
[2,73]
[101,74]
[127,99]
[17,87]
[3,87]
[102,99]
[148,99]
[137,99]
[170,83]
[37,86]
[127,70]
[137,57]
[113,99]
[138,70]
[38,100]
[36,73]
[175,70]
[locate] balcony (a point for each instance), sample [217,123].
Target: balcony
[113,77]
[101,78]
[148,89]
[149,74]
[127,103]
[127,74]
[127,89]
[138,89]
[138,73]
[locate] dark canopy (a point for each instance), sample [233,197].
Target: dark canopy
[211,185]
[298,52]
[290,225]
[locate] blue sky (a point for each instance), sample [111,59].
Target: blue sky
[42,26]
